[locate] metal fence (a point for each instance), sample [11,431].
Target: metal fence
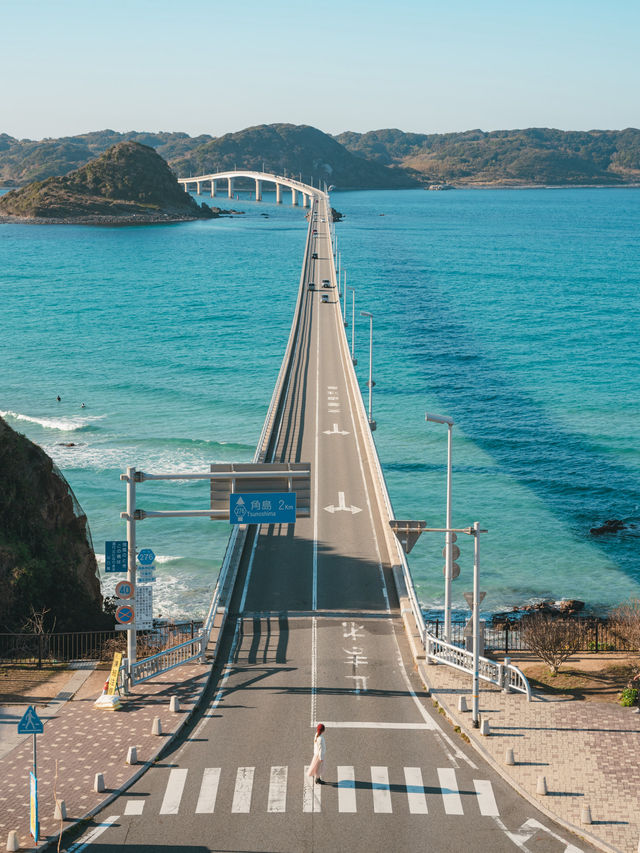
[63,647]
[594,635]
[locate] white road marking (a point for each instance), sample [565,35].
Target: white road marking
[358,724]
[450,792]
[134,807]
[346,789]
[342,506]
[486,800]
[208,790]
[314,669]
[91,836]
[314,586]
[310,793]
[277,801]
[380,789]
[173,792]
[415,790]
[242,794]
[336,431]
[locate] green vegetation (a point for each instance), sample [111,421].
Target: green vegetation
[629,697]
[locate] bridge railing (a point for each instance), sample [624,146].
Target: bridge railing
[503,675]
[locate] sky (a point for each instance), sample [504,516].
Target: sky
[207,66]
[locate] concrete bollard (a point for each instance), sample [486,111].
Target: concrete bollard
[585,814]
[156,728]
[462,704]
[542,786]
[60,811]
[98,784]
[12,841]
[132,755]
[174,704]
[484,728]
[508,757]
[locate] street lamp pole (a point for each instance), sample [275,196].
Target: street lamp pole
[353,320]
[476,626]
[443,419]
[344,297]
[370,383]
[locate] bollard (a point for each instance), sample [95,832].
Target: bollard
[484,728]
[156,728]
[60,811]
[462,704]
[98,784]
[12,841]
[508,757]
[132,755]
[174,704]
[542,786]
[585,814]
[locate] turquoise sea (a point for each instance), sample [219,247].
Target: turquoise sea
[517,312]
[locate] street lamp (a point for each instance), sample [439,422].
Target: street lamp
[370,383]
[448,570]
[353,319]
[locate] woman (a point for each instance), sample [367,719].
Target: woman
[319,750]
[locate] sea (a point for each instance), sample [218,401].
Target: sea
[514,311]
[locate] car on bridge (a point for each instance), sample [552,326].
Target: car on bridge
[326,282]
[312,286]
[325,297]
[314,256]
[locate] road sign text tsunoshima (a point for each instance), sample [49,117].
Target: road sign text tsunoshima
[262,508]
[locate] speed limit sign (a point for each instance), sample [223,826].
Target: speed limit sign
[124,589]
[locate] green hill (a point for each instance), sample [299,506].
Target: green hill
[129,182]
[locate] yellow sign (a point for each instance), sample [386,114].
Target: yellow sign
[113,677]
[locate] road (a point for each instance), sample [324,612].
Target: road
[315,636]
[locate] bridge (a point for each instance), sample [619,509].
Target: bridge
[298,189]
[321,624]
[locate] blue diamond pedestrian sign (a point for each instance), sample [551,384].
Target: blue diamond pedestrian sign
[30,724]
[146,557]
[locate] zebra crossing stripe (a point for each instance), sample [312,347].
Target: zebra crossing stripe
[415,790]
[242,794]
[346,789]
[486,800]
[277,801]
[173,793]
[450,793]
[208,790]
[380,789]
[134,807]
[310,793]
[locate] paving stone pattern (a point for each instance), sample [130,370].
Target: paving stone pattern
[86,740]
[589,752]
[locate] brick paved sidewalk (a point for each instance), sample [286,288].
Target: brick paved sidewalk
[589,753]
[85,740]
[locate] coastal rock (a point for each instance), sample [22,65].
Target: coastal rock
[613,525]
[46,557]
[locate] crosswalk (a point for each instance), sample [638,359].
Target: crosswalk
[348,789]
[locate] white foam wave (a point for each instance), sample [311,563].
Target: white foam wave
[62,424]
[160,558]
[101,457]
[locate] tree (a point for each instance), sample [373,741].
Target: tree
[553,640]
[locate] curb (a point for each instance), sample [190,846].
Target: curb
[478,746]
[53,839]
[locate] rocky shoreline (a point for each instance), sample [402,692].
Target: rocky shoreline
[127,219]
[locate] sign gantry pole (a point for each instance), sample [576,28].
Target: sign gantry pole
[131,571]
[476,625]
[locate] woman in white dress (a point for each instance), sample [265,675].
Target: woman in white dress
[319,751]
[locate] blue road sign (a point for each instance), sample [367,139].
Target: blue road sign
[30,724]
[125,614]
[116,556]
[262,508]
[146,557]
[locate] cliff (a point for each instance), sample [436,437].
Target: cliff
[128,183]
[46,556]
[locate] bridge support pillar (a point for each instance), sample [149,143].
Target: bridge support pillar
[198,188]
[258,190]
[278,193]
[213,188]
[305,200]
[230,193]
[294,197]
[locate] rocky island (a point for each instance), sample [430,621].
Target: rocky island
[128,184]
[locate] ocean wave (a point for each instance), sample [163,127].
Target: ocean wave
[72,424]
[160,558]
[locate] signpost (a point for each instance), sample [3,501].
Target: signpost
[31,724]
[115,556]
[262,508]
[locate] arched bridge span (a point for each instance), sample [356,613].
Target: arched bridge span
[298,189]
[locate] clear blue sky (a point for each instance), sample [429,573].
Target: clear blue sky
[208,66]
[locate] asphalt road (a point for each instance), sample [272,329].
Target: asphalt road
[315,636]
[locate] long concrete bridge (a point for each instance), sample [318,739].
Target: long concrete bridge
[298,189]
[322,625]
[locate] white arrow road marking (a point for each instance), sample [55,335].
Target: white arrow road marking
[335,431]
[342,507]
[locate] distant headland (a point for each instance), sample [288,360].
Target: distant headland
[378,159]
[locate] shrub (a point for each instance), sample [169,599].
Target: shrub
[553,640]
[629,697]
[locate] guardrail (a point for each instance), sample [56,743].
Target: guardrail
[146,668]
[504,675]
